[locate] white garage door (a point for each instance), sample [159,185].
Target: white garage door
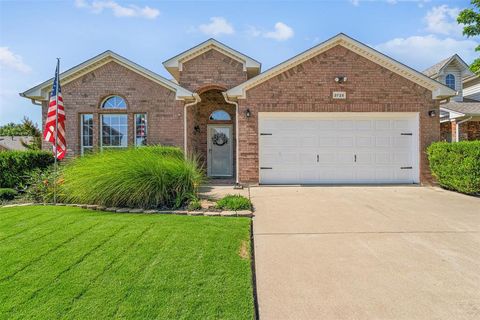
[343,148]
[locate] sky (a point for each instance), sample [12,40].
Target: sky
[33,33]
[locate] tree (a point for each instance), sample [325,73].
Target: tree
[470,18]
[26,128]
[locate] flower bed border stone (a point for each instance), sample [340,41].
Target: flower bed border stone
[206,213]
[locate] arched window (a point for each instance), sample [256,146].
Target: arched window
[220,115]
[114,102]
[450,81]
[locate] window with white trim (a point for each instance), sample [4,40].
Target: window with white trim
[114,102]
[86,133]
[450,81]
[219,115]
[140,129]
[114,131]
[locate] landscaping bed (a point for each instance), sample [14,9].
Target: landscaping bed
[67,262]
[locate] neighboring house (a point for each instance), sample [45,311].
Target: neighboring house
[14,143]
[460,116]
[340,112]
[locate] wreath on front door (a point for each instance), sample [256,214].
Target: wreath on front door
[219,139]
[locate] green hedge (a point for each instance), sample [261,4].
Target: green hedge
[7,194]
[456,166]
[15,166]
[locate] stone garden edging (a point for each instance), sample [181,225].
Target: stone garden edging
[206,213]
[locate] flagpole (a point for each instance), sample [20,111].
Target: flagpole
[55,165]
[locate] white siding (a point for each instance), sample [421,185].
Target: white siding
[453,69]
[473,90]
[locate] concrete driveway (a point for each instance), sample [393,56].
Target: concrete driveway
[366,253]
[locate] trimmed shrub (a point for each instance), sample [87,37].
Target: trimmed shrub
[15,166]
[456,166]
[146,177]
[234,202]
[7,194]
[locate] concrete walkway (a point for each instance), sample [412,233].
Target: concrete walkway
[366,253]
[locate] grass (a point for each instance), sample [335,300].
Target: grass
[70,263]
[147,177]
[234,202]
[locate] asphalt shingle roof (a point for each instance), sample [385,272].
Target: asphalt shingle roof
[433,70]
[471,108]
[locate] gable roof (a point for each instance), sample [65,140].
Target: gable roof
[174,65]
[41,91]
[439,90]
[435,70]
[462,108]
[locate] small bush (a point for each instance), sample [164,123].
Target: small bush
[7,194]
[41,185]
[456,166]
[15,166]
[234,202]
[146,177]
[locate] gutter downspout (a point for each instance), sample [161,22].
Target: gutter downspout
[197,100]
[457,128]
[237,183]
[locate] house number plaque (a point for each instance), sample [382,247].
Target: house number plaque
[339,95]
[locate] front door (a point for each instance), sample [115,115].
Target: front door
[219,144]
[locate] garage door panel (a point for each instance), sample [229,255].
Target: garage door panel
[323,150]
[345,141]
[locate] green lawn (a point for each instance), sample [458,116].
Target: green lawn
[70,263]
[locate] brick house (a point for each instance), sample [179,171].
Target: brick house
[339,112]
[460,115]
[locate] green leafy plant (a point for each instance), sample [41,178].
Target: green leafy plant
[15,166]
[7,194]
[194,204]
[470,19]
[146,177]
[234,202]
[456,166]
[41,185]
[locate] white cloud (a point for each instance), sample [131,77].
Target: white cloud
[443,20]
[217,26]
[281,32]
[118,10]
[423,51]
[13,61]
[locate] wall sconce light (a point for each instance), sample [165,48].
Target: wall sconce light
[248,114]
[196,129]
[432,113]
[340,79]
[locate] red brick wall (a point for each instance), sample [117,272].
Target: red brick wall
[199,115]
[211,68]
[446,131]
[308,87]
[470,130]
[85,94]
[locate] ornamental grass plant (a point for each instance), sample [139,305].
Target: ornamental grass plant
[146,177]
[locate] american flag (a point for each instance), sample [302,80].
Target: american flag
[55,124]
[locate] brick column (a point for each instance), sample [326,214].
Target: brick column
[454,130]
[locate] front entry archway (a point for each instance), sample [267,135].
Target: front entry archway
[210,118]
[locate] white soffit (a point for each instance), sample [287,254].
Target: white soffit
[41,91]
[175,64]
[439,91]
